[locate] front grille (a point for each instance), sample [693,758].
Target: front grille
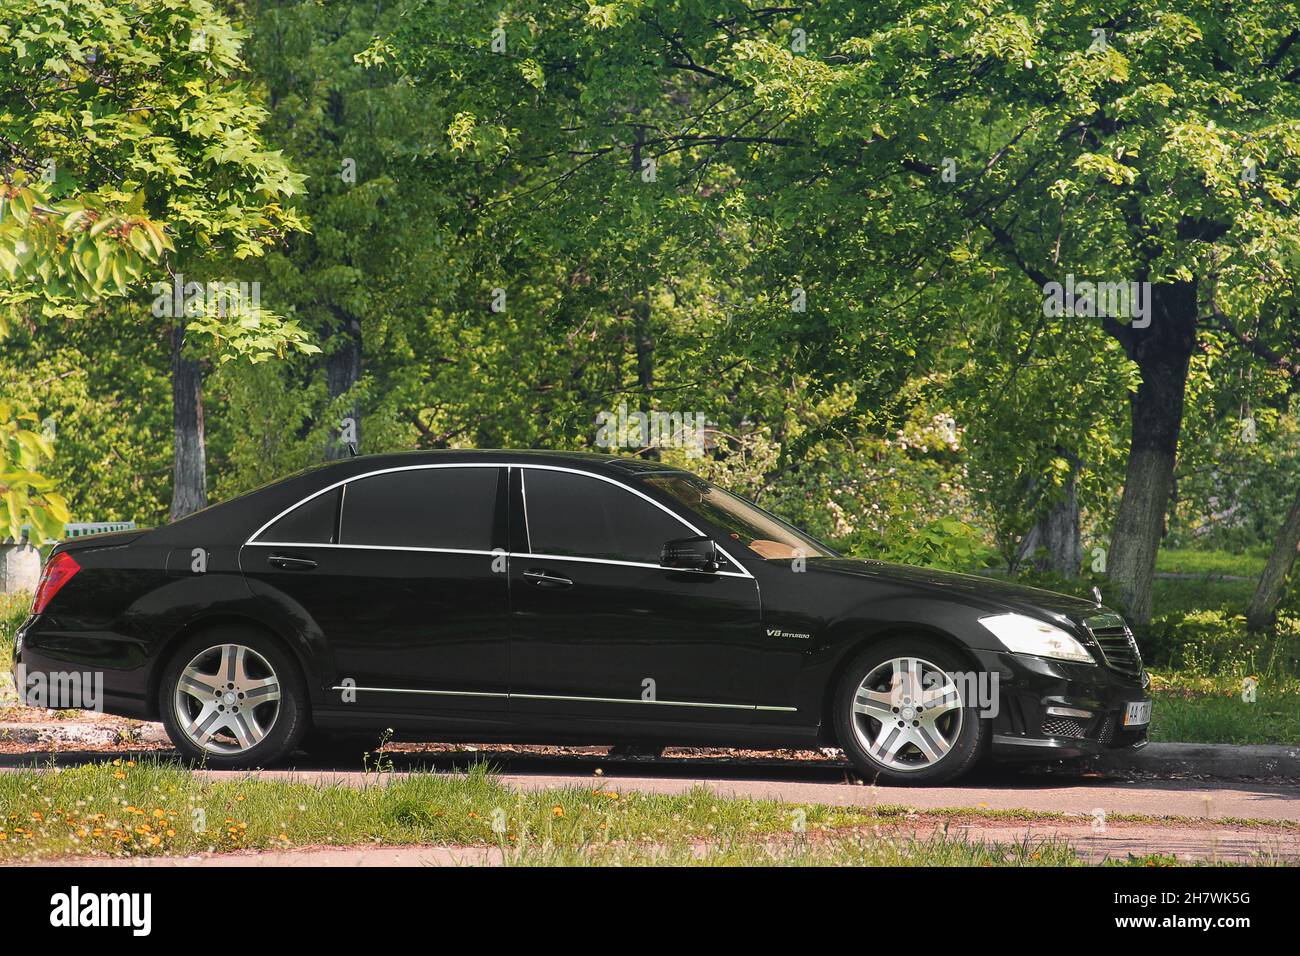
[1116,643]
[1064,727]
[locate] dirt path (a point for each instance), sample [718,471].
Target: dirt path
[1117,842]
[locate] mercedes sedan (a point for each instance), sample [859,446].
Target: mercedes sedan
[545,597]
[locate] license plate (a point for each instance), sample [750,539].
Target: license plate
[1137,713]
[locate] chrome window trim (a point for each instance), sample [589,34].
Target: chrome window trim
[523,499]
[593,700]
[365,547]
[368,474]
[741,572]
[435,693]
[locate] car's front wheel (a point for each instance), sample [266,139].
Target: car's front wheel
[901,713]
[232,699]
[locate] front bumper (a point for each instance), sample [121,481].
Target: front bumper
[1053,710]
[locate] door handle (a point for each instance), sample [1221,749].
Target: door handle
[291,564]
[544,579]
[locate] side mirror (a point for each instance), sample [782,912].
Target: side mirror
[691,554]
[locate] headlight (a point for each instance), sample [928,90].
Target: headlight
[1022,634]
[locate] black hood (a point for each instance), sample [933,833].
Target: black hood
[975,588]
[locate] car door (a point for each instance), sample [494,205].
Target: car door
[599,629]
[395,575]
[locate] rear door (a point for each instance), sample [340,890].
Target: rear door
[394,576]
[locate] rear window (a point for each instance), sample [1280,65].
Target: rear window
[312,522]
[450,508]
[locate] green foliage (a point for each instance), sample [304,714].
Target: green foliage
[69,252]
[1215,643]
[943,543]
[102,392]
[129,150]
[127,135]
[26,497]
[14,609]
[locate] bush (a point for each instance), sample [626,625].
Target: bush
[1206,643]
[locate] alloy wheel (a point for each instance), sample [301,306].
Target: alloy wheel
[227,699]
[907,713]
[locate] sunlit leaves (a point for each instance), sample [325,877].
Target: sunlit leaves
[26,497]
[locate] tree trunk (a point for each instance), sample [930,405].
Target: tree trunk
[342,373]
[1162,352]
[644,345]
[1056,533]
[189,472]
[1261,613]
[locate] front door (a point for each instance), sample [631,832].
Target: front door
[599,629]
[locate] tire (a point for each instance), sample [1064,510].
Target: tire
[885,730]
[254,718]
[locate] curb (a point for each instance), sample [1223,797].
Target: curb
[1207,760]
[73,733]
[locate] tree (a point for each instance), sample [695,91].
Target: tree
[889,147]
[130,151]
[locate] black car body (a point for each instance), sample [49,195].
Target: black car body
[529,597]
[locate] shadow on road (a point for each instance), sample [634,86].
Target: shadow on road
[583,766]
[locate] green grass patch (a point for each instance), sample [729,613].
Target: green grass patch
[1193,708]
[13,611]
[122,809]
[1189,561]
[858,848]
[1188,595]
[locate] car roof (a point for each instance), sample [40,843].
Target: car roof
[233,520]
[593,460]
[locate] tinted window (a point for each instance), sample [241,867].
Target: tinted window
[580,515]
[310,523]
[763,533]
[423,508]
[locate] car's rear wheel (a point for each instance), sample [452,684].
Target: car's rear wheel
[233,698]
[901,715]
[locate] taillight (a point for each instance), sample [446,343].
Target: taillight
[57,573]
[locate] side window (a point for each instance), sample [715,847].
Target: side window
[586,517]
[312,522]
[422,508]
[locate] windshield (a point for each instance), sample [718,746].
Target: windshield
[746,523]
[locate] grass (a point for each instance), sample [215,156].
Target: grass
[1188,561]
[122,809]
[13,611]
[852,849]
[1200,709]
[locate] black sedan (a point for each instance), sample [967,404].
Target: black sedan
[564,598]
